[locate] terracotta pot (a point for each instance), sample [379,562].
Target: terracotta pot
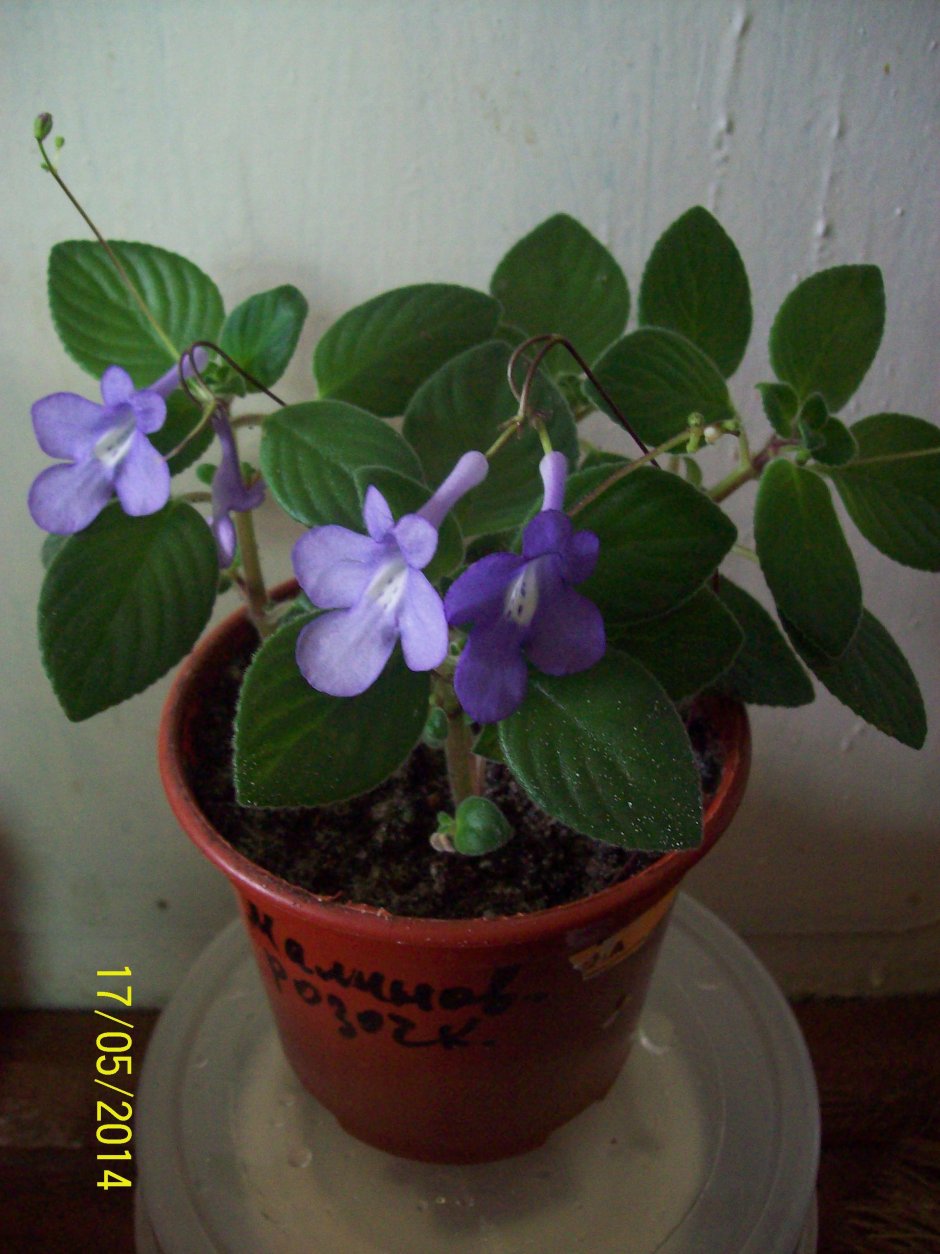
[446,1041]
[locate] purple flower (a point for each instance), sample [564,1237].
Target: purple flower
[229,493]
[525,607]
[374,588]
[107,452]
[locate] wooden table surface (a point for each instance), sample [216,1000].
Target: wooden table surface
[877,1063]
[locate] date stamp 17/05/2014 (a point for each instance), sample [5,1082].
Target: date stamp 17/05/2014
[114,1067]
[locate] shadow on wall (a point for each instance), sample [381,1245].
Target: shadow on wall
[13,976]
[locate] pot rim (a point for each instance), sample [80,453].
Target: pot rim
[642,889]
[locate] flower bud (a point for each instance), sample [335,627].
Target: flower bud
[42,126]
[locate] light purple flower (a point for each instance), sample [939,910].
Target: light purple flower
[229,493]
[525,607]
[107,452]
[374,588]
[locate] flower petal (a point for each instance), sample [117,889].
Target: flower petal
[579,556]
[333,565]
[567,634]
[546,533]
[117,386]
[142,478]
[478,593]
[170,381]
[149,409]
[491,676]
[554,471]
[471,469]
[225,539]
[376,514]
[342,653]
[68,425]
[66,498]
[422,624]
[417,540]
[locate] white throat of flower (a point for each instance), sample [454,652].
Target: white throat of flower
[387,586]
[114,444]
[522,595]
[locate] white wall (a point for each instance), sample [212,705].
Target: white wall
[352,145]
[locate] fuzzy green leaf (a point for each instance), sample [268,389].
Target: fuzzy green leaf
[765,672]
[295,746]
[827,332]
[686,650]
[892,489]
[377,354]
[780,405]
[311,454]
[262,332]
[99,322]
[806,561]
[605,752]
[560,279]
[660,539]
[695,283]
[122,602]
[873,678]
[657,378]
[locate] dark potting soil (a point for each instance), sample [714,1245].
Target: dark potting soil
[375,849]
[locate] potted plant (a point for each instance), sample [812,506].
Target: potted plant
[458,770]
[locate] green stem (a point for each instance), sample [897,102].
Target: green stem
[464,779]
[253,580]
[741,550]
[513,427]
[125,277]
[623,471]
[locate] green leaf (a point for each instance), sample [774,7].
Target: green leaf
[660,539]
[295,746]
[99,322]
[827,331]
[486,744]
[377,354]
[892,489]
[687,649]
[873,678]
[780,405]
[803,553]
[262,333]
[695,283]
[182,418]
[605,752]
[766,671]
[559,279]
[463,406]
[406,496]
[835,444]
[658,378]
[311,453]
[122,602]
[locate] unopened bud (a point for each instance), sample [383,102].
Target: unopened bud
[42,126]
[712,434]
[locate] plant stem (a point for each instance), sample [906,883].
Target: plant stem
[462,771]
[623,471]
[253,584]
[125,277]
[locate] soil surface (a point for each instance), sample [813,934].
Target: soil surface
[375,849]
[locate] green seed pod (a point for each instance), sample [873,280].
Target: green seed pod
[481,827]
[435,729]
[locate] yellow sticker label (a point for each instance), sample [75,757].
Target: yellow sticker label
[620,945]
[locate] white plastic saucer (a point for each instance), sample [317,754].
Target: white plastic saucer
[707,1144]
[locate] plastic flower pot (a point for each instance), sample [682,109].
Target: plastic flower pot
[451,1041]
